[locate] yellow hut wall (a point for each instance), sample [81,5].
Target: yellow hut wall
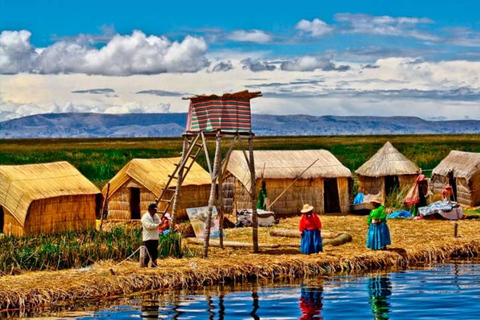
[303,191]
[376,185]
[190,197]
[468,191]
[11,226]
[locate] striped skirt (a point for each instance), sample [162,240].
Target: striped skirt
[311,242]
[378,236]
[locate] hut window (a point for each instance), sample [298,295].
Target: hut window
[135,203]
[391,184]
[2,220]
[330,196]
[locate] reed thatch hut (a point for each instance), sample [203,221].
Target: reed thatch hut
[462,171]
[386,171]
[140,182]
[46,198]
[325,185]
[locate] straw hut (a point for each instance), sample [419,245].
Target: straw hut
[462,171]
[141,181]
[386,171]
[325,185]
[46,198]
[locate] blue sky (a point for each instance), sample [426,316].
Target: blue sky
[312,57]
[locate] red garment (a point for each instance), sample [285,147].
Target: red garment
[311,222]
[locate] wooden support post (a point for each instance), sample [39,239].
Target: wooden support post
[143,252]
[102,211]
[455,230]
[178,188]
[253,194]
[211,200]
[220,204]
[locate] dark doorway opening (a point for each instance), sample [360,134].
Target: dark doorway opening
[98,205]
[391,184]
[2,220]
[330,196]
[135,203]
[453,182]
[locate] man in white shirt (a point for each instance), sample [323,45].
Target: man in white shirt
[150,223]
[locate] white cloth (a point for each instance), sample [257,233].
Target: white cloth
[150,226]
[455,214]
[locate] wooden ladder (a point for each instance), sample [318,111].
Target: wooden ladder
[189,155]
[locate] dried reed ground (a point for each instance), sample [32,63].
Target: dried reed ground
[414,242]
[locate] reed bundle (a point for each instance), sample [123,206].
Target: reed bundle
[414,242]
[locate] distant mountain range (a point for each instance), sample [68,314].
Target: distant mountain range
[82,125]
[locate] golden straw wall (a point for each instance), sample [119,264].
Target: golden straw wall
[59,214]
[303,191]
[11,225]
[376,186]
[468,192]
[190,197]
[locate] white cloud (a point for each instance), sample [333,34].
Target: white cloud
[317,28]
[121,56]
[16,52]
[309,63]
[255,36]
[385,25]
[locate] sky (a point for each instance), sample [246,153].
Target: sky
[346,58]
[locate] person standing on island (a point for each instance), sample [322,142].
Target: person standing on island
[150,223]
[310,227]
[378,236]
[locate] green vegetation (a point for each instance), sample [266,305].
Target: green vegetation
[80,249]
[100,159]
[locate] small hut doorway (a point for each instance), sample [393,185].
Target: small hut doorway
[135,203]
[2,220]
[391,184]
[330,196]
[453,182]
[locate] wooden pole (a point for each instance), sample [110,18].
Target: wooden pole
[176,197]
[455,230]
[253,194]
[102,211]
[291,184]
[220,204]
[211,200]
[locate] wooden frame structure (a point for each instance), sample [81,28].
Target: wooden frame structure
[225,117]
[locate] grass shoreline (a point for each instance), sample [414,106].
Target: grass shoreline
[411,247]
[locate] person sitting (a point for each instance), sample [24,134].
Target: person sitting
[378,236]
[359,198]
[310,226]
[165,224]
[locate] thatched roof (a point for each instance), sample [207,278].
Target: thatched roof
[388,161]
[153,175]
[22,184]
[287,164]
[463,164]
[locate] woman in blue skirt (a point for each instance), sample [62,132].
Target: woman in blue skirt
[378,237]
[310,227]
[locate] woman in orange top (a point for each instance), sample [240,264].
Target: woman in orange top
[310,227]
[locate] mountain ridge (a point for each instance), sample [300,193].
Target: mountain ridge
[86,125]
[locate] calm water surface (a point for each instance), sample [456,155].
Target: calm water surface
[445,291]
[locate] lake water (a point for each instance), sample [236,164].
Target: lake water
[444,291]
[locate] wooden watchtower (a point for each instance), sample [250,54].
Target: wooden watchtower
[225,117]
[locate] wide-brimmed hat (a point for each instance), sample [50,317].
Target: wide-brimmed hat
[376,200]
[306,208]
[167,216]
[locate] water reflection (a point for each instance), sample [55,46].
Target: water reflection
[311,302]
[379,289]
